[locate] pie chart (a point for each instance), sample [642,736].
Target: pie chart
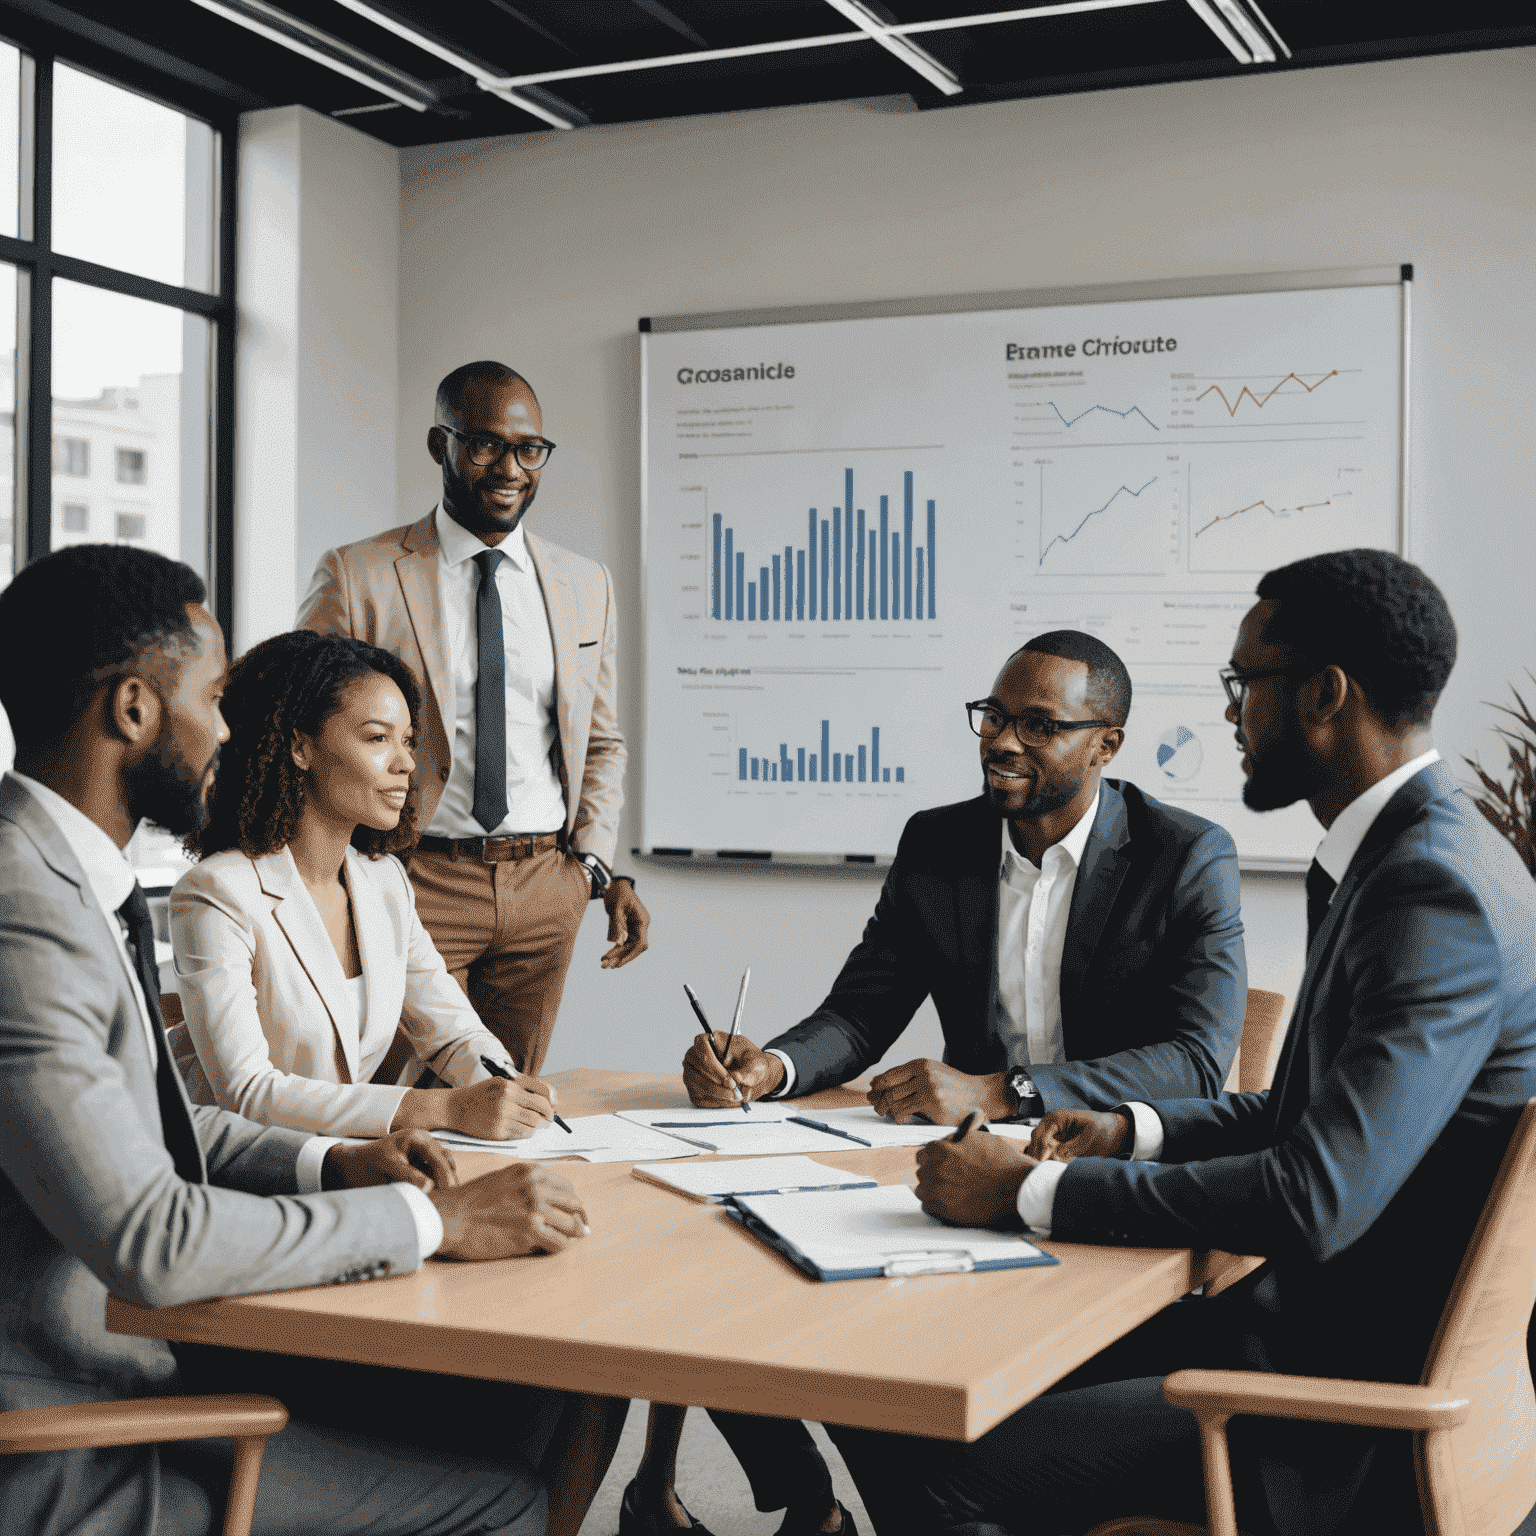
[1179,753]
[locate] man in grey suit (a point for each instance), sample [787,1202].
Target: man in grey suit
[1359,1176]
[110,1179]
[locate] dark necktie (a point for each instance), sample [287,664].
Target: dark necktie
[1320,888]
[180,1138]
[490,697]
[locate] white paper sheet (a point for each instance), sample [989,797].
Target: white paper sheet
[595,1138]
[863,1120]
[728,1130]
[750,1175]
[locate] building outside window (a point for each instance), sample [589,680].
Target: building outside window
[71,456]
[130,466]
[77,517]
[130,526]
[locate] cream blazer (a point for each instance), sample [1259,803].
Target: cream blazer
[267,1006]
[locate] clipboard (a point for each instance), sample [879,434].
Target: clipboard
[880,1233]
[718,1182]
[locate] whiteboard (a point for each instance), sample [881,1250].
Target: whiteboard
[850,523]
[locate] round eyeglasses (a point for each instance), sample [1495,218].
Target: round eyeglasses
[484,450]
[989,719]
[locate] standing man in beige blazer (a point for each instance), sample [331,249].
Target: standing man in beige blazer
[520,765]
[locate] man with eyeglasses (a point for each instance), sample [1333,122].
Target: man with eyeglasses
[520,764]
[1090,954]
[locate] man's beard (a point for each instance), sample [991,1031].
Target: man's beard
[469,510]
[1041,800]
[1286,773]
[166,790]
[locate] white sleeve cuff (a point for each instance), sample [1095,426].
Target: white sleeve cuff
[787,1087]
[1148,1147]
[429,1225]
[307,1174]
[1037,1197]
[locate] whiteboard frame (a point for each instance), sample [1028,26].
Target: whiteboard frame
[1400,276]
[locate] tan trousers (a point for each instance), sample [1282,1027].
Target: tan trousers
[505,932]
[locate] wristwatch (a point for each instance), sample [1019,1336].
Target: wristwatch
[599,874]
[1031,1105]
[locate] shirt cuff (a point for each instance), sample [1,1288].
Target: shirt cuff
[1148,1145]
[1037,1197]
[429,1225]
[307,1172]
[787,1086]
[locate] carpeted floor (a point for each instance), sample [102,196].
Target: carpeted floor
[709,1481]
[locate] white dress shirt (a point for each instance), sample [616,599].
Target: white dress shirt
[535,800]
[111,879]
[1032,908]
[1037,1194]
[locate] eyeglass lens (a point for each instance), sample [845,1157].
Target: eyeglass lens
[484,451]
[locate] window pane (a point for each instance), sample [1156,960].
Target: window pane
[10,140]
[133,182]
[131,424]
[8,508]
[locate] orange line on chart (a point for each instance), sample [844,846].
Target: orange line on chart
[1232,405]
[1306,506]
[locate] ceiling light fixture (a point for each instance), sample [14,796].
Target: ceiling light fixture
[321,48]
[911,54]
[1242,29]
[487,79]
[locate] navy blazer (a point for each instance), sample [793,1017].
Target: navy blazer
[1153,977]
[1362,1172]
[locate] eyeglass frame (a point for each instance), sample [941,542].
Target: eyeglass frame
[1054,727]
[507,446]
[1235,677]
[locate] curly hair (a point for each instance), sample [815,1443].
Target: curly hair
[287,686]
[1377,616]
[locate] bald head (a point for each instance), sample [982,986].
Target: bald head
[451,392]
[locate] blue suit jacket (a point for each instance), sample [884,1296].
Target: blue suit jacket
[1153,978]
[1362,1172]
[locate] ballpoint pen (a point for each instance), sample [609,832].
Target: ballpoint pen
[496,1069]
[831,1130]
[709,1033]
[967,1125]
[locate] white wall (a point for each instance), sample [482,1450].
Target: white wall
[544,251]
[319,230]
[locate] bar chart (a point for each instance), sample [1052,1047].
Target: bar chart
[826,764]
[857,565]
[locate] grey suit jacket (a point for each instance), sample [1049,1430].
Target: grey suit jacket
[89,1198]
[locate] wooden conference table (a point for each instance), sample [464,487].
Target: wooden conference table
[669,1302]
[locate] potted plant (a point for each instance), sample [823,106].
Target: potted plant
[1511,807]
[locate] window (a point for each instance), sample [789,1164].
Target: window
[116,245]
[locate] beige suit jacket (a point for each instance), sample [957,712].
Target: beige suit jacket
[385,590]
[267,1005]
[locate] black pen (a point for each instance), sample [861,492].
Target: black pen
[496,1069]
[709,1034]
[967,1125]
[831,1130]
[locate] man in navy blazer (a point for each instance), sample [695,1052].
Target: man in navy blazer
[1359,1176]
[1081,941]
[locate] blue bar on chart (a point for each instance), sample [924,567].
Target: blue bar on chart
[826,766]
[854,570]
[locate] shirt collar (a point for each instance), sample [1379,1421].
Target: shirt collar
[106,867]
[456,544]
[1348,831]
[1072,844]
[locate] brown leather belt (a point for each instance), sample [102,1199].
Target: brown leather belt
[492,850]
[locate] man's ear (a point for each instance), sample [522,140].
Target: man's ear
[1322,696]
[437,444]
[1110,743]
[134,710]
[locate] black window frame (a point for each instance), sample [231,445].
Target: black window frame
[37,264]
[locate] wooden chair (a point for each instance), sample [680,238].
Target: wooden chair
[170,1010]
[248,1420]
[1473,1413]
[1258,1052]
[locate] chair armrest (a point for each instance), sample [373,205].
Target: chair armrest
[1381,1404]
[139,1421]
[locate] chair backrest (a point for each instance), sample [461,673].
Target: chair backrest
[170,1009]
[1481,1476]
[1258,1054]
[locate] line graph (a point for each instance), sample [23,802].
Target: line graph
[1066,538]
[1108,410]
[1260,401]
[1224,517]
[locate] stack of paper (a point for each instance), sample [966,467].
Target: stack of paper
[596,1138]
[750,1176]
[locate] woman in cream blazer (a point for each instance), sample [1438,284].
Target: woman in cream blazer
[297,945]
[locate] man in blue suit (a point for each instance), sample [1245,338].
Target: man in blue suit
[1359,1176]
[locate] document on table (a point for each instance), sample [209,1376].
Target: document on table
[728,1130]
[716,1182]
[596,1138]
[861,1233]
[864,1120]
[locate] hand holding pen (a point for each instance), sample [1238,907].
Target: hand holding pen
[724,1070]
[529,1084]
